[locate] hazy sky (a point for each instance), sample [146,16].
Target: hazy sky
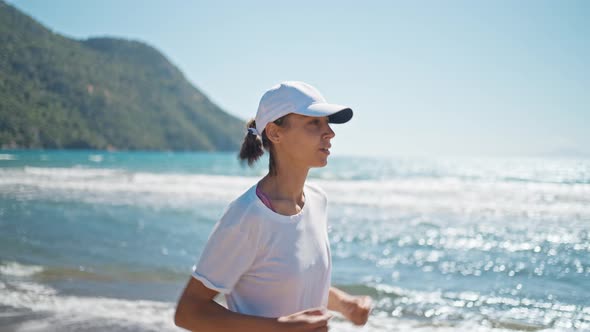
[423,77]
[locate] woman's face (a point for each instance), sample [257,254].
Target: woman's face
[305,140]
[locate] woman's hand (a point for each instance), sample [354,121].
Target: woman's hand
[354,308]
[308,320]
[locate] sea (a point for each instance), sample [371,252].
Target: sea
[105,241]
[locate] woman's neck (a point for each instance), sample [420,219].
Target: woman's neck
[286,185]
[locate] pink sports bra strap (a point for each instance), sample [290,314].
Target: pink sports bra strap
[264,198]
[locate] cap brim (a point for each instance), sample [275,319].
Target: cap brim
[335,113]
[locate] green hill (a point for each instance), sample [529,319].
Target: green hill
[99,93]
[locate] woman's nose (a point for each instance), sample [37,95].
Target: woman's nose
[329,132]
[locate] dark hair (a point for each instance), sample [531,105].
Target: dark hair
[252,147]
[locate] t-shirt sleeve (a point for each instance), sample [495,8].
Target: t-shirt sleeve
[228,254]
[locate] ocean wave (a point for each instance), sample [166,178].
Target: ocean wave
[70,312]
[118,187]
[15,269]
[423,195]
[104,274]
[410,311]
[395,309]
[6,156]
[440,308]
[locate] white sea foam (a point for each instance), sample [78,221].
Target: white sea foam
[67,310]
[15,269]
[5,156]
[424,195]
[421,310]
[101,313]
[463,197]
[63,173]
[97,158]
[117,187]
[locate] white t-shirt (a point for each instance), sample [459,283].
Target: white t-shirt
[268,264]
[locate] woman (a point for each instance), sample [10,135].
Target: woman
[269,253]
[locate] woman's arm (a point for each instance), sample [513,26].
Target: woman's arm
[355,308]
[197,311]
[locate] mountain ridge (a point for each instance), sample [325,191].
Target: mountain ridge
[100,93]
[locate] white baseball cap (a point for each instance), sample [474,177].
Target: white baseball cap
[296,97]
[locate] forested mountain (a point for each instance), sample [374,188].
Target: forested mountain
[99,93]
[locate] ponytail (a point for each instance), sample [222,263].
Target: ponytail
[251,147]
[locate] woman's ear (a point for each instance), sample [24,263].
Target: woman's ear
[273,132]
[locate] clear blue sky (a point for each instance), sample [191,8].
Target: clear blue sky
[423,77]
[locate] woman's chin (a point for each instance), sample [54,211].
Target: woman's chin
[321,163]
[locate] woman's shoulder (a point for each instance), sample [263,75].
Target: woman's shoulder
[245,199]
[239,211]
